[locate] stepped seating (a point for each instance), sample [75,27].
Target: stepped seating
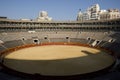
[2,48]
[84,41]
[11,44]
[58,40]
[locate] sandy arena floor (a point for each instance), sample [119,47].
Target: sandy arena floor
[58,60]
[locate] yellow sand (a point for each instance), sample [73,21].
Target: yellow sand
[58,60]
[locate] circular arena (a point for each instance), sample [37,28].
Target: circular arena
[57,60]
[59,50]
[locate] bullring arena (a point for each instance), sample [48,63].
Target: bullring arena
[59,50]
[57,59]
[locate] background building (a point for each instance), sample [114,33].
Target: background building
[109,14]
[43,16]
[95,13]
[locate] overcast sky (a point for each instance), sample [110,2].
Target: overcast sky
[57,9]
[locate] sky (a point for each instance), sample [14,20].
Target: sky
[57,9]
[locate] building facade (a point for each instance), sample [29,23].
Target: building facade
[95,13]
[109,14]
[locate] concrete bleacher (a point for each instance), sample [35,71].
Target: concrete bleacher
[2,48]
[84,41]
[27,41]
[9,36]
[59,40]
[14,43]
[57,36]
[115,47]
